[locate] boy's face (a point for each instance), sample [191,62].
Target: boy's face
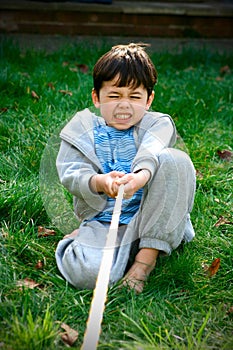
[122,107]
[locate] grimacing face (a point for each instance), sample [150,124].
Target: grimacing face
[122,107]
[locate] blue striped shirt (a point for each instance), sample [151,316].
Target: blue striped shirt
[116,150]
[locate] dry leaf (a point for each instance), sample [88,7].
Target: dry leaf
[3,233]
[199,175]
[225,70]
[39,265]
[230,311]
[65,63]
[75,69]
[45,232]
[70,335]
[27,283]
[204,266]
[3,109]
[34,95]
[190,68]
[225,154]
[83,67]
[51,86]
[66,92]
[213,268]
[222,221]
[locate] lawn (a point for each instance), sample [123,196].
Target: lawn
[182,305]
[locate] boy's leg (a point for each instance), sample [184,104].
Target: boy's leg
[144,263]
[163,219]
[79,255]
[160,224]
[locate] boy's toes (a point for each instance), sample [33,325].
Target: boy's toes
[133,283]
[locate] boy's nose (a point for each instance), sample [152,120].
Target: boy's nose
[124,103]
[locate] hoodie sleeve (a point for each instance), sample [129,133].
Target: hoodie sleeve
[75,171]
[155,133]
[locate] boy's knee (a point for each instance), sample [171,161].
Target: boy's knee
[171,157]
[78,264]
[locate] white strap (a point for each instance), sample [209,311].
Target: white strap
[93,329]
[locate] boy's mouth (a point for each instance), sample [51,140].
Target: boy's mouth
[122,116]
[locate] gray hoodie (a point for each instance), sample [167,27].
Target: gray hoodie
[77,161]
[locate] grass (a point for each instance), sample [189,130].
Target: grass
[180,308]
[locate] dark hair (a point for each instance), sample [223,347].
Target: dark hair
[131,63]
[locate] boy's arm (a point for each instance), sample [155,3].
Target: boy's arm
[134,181]
[75,171]
[157,135]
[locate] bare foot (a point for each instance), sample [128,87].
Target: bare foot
[144,263]
[72,234]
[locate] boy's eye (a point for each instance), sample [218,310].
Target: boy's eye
[116,96]
[113,96]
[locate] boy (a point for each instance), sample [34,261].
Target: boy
[126,145]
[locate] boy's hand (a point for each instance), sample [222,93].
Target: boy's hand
[106,183]
[133,182]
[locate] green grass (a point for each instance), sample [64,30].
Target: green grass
[180,308]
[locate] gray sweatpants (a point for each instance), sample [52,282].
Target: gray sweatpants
[162,222]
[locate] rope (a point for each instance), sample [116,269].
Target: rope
[93,329]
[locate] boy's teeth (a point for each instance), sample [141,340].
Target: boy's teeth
[122,116]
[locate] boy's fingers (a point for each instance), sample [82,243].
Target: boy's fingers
[117,174]
[123,180]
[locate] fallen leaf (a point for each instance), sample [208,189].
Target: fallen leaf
[45,232]
[65,63]
[34,95]
[190,68]
[39,265]
[230,311]
[199,175]
[3,233]
[213,268]
[222,221]
[204,266]
[27,283]
[3,109]
[184,291]
[70,335]
[51,86]
[66,92]
[219,79]
[225,154]
[225,70]
[73,69]
[83,67]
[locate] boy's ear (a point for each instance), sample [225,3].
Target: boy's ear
[150,100]
[95,98]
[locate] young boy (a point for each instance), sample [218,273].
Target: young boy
[127,145]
